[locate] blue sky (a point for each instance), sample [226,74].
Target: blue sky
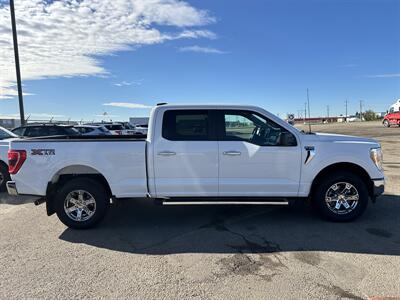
[257,52]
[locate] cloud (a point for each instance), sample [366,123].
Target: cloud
[33,116]
[127,83]
[65,38]
[44,115]
[199,49]
[127,105]
[393,75]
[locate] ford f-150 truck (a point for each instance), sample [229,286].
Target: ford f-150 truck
[199,154]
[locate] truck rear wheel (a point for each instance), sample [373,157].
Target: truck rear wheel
[81,203]
[4,176]
[341,197]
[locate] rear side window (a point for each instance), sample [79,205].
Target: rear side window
[35,131]
[69,131]
[185,125]
[18,131]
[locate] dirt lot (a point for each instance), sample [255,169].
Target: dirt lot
[145,252]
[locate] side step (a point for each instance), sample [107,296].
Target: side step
[221,201]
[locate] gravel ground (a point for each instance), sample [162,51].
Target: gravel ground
[143,251]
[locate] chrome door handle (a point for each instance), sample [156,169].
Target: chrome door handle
[167,153]
[232,153]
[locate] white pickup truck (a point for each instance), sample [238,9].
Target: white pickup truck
[199,154]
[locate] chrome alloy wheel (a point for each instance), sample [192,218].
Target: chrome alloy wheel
[342,198]
[79,205]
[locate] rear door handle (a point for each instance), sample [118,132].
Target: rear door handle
[232,153]
[167,153]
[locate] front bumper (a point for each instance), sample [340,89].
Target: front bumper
[378,186]
[12,188]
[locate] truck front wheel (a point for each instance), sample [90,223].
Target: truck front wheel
[81,203]
[341,197]
[386,123]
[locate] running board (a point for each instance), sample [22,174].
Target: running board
[169,202]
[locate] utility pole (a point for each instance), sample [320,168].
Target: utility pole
[17,69]
[327,111]
[361,104]
[305,111]
[346,110]
[309,115]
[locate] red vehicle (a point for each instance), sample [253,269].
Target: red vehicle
[393,115]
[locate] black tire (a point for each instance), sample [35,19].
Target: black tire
[386,123]
[321,190]
[4,176]
[94,189]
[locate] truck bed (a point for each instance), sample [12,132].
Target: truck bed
[121,160]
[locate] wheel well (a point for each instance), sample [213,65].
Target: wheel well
[69,173]
[2,163]
[349,167]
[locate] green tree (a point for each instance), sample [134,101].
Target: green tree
[370,115]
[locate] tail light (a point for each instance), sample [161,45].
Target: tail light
[16,158]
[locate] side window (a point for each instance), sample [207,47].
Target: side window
[255,129]
[36,131]
[54,130]
[18,131]
[184,125]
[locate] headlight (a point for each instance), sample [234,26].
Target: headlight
[377,157]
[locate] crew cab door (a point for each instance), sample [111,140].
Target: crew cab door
[186,155]
[257,157]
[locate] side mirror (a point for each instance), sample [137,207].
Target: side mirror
[287,139]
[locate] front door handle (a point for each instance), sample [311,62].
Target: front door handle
[167,153]
[232,153]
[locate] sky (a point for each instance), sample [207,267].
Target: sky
[82,59]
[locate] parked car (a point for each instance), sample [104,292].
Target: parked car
[92,130]
[37,130]
[200,154]
[5,137]
[391,118]
[142,129]
[132,129]
[114,128]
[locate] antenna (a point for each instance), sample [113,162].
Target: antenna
[308,104]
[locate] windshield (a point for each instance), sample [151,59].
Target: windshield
[6,134]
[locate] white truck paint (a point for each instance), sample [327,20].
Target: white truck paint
[162,168]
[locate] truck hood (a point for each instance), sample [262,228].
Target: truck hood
[328,137]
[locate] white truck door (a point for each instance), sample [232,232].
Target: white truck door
[257,156]
[186,155]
